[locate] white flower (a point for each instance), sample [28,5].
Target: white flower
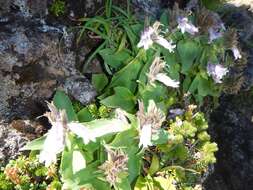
[185,26]
[149,122]
[55,139]
[54,144]
[82,131]
[167,81]
[145,136]
[151,35]
[155,73]
[217,71]
[236,53]
[165,43]
[146,38]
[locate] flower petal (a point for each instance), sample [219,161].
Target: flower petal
[82,131]
[145,136]
[163,78]
[185,26]
[236,53]
[54,144]
[165,43]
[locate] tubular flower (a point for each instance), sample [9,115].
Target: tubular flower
[185,26]
[217,71]
[151,35]
[115,164]
[149,122]
[155,73]
[236,53]
[55,139]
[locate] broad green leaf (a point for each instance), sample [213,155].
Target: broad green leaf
[194,85]
[157,93]
[123,98]
[128,75]
[99,81]
[123,185]
[84,115]
[62,101]
[66,169]
[165,183]
[102,127]
[141,184]
[88,173]
[114,59]
[155,165]
[161,137]
[188,52]
[36,144]
[164,19]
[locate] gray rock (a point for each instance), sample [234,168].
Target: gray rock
[11,141]
[34,64]
[80,88]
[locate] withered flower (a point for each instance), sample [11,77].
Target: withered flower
[149,122]
[156,73]
[115,164]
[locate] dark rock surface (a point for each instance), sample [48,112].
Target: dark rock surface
[231,123]
[232,129]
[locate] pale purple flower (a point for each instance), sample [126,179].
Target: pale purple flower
[217,71]
[177,111]
[146,38]
[214,34]
[185,26]
[151,35]
[236,53]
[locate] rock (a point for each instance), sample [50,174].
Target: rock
[231,128]
[33,65]
[80,88]
[11,142]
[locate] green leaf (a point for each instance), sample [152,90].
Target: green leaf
[115,60]
[62,101]
[141,184]
[165,183]
[127,76]
[123,98]
[123,185]
[36,144]
[161,137]
[99,81]
[102,127]
[155,165]
[164,19]
[84,115]
[188,52]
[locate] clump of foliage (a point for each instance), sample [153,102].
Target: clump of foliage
[131,138]
[58,8]
[27,173]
